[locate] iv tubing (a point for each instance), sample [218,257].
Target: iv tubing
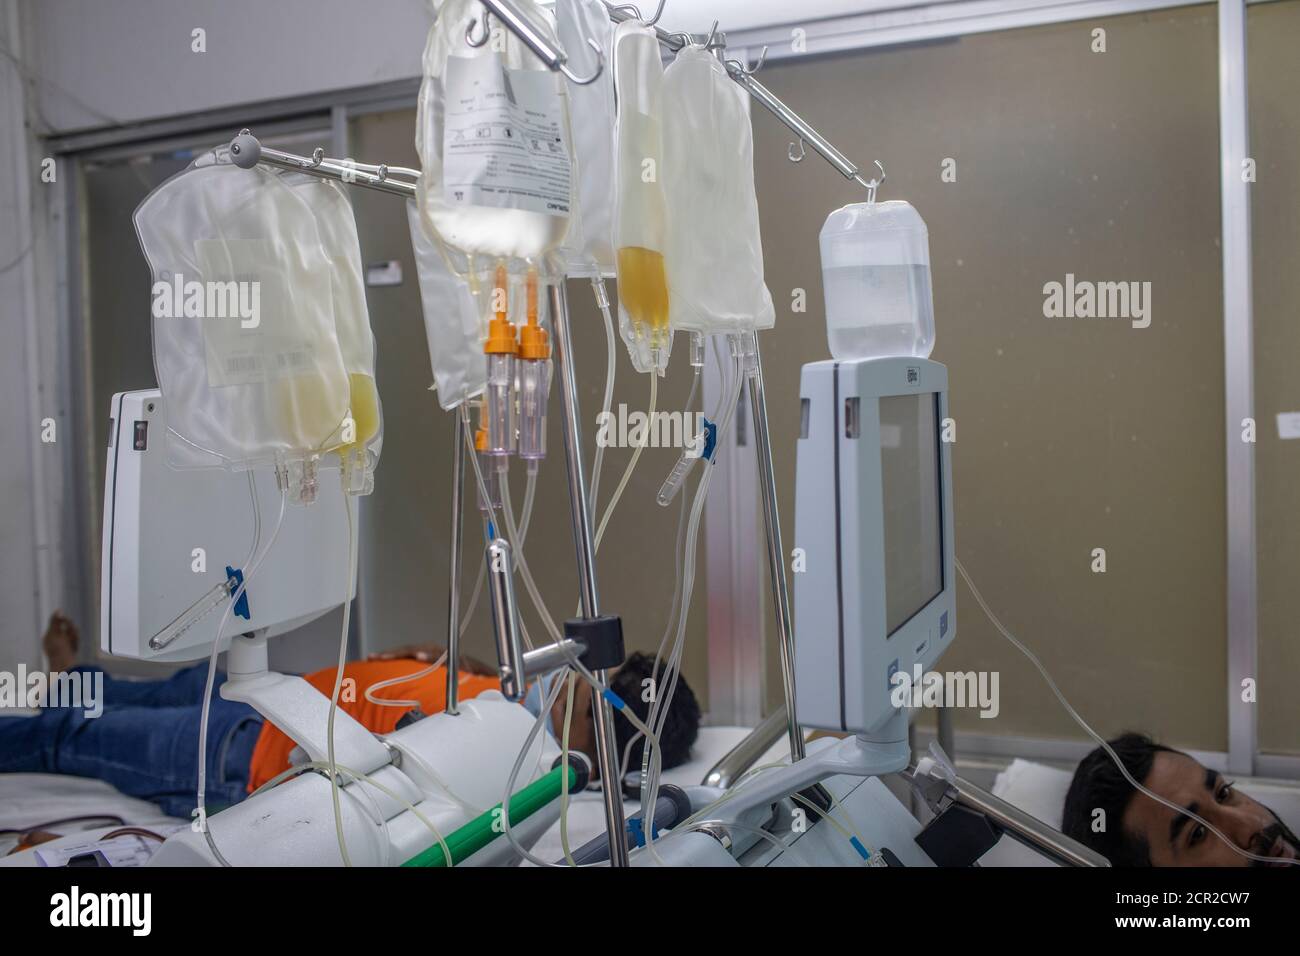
[993,619]
[338,678]
[201,810]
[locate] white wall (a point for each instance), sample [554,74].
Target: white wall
[106,62]
[37,572]
[17,530]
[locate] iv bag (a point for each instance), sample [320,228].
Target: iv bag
[245,347]
[876,274]
[360,435]
[640,211]
[492,131]
[588,248]
[451,321]
[714,256]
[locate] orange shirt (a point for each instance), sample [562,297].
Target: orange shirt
[271,754]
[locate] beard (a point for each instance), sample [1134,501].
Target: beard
[1268,838]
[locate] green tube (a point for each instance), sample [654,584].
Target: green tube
[479,832]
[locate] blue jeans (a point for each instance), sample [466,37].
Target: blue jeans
[145,743]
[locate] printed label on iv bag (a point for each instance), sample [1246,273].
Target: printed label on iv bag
[242,348]
[503,139]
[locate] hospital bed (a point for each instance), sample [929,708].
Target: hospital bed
[28,800]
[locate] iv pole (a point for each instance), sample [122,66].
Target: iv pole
[247,152]
[556,59]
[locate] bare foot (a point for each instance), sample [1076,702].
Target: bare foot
[60,642]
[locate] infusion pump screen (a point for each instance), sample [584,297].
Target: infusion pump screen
[913,517]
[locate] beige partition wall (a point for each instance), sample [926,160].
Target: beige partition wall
[407,520]
[1274,38]
[1075,436]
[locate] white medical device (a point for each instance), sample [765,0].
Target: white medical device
[441,770]
[169,536]
[873,516]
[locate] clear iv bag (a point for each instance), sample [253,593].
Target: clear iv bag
[640,216]
[713,256]
[451,321]
[245,347]
[492,131]
[360,436]
[589,246]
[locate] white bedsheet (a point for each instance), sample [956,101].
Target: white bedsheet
[28,800]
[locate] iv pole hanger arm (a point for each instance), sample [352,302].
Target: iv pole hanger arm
[247,152]
[554,58]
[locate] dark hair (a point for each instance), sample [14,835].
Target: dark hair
[681,723]
[1098,784]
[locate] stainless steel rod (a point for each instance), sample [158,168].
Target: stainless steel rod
[543,660]
[800,127]
[519,24]
[775,551]
[247,151]
[340,171]
[797,124]
[1024,828]
[505,618]
[746,753]
[607,756]
[453,597]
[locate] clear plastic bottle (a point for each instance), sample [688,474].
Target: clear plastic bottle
[534,379]
[501,348]
[876,274]
[486,465]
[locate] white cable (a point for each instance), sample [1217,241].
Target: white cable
[602,300]
[631,465]
[338,679]
[993,619]
[356,775]
[201,798]
[402,679]
[781,845]
[651,758]
[478,472]
[570,681]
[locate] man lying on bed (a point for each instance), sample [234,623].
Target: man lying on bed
[1138,831]
[145,742]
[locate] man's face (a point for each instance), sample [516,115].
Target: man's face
[1175,839]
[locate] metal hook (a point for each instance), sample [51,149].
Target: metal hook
[317,157]
[874,184]
[802,152]
[600,66]
[636,12]
[487,31]
[713,32]
[749,70]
